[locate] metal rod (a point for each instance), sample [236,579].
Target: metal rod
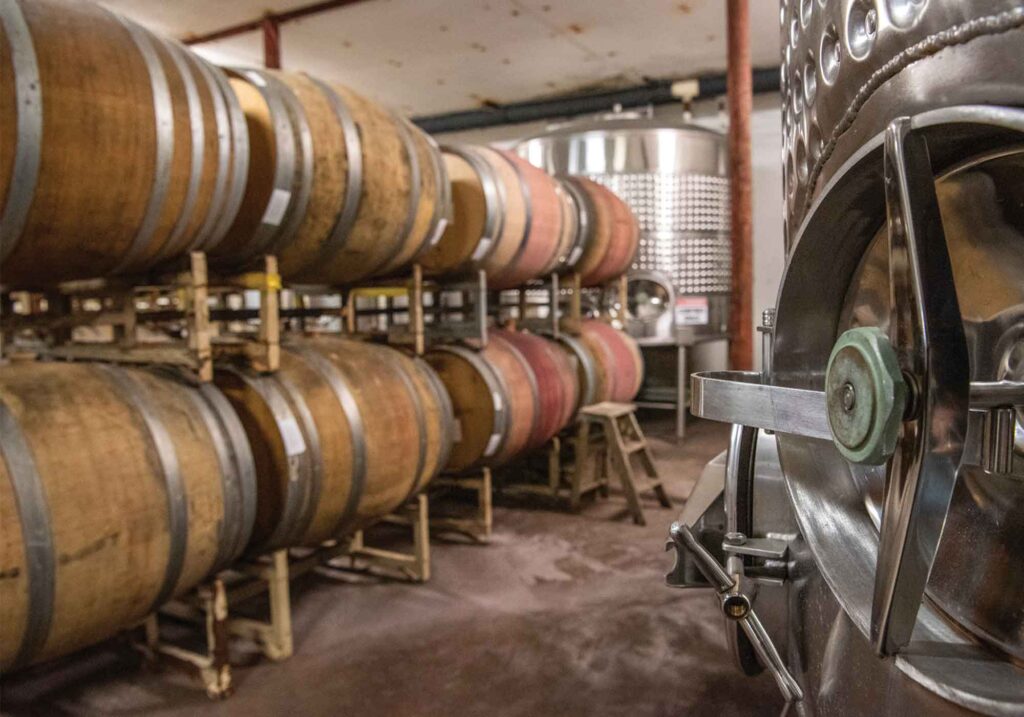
[655,92]
[740,99]
[256,24]
[271,43]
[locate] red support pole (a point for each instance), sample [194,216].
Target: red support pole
[271,43]
[740,97]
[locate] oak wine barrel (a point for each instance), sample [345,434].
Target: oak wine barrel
[612,233]
[618,360]
[342,435]
[119,489]
[339,188]
[557,384]
[119,150]
[494,399]
[508,218]
[544,208]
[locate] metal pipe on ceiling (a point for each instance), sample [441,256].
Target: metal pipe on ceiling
[739,87]
[655,92]
[279,18]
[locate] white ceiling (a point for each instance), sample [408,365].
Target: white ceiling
[431,56]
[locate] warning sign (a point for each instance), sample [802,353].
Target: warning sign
[691,311]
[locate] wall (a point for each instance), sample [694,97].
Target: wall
[766,143]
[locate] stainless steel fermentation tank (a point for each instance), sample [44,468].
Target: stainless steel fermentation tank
[865,530]
[673,175]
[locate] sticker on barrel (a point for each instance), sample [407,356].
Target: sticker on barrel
[692,310]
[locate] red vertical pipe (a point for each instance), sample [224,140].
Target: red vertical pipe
[271,43]
[740,95]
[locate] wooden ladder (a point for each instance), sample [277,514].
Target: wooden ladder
[624,439]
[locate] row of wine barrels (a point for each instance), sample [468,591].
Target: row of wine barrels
[618,366]
[338,188]
[120,149]
[341,435]
[610,236]
[555,376]
[494,398]
[508,217]
[518,223]
[119,488]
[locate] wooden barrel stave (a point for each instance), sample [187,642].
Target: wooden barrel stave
[339,188]
[592,387]
[133,487]
[494,398]
[121,172]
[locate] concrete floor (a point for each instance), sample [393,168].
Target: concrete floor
[560,615]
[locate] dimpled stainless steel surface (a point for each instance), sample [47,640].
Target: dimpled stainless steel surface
[673,177]
[851,66]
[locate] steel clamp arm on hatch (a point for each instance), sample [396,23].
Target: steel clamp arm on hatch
[926,331]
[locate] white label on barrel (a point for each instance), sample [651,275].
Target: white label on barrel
[492,444]
[481,248]
[277,206]
[692,311]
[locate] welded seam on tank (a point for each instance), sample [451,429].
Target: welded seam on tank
[36,535]
[238,146]
[528,205]
[136,395]
[498,392]
[444,402]
[197,140]
[421,418]
[245,467]
[493,217]
[357,431]
[297,456]
[303,140]
[931,45]
[163,116]
[311,496]
[414,190]
[346,218]
[208,235]
[28,98]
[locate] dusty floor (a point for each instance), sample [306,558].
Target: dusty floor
[560,615]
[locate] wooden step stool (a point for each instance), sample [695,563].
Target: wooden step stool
[623,439]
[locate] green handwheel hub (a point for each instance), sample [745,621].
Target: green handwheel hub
[865,395]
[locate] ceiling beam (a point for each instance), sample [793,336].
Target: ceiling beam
[278,18]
